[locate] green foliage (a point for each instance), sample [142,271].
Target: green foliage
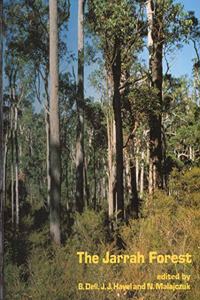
[16,287]
[185,187]
[27,28]
[115,23]
[169,225]
[181,122]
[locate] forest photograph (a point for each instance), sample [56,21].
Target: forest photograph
[99,149]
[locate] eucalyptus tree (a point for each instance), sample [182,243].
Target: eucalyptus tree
[118,29]
[55,159]
[166,28]
[155,44]
[80,111]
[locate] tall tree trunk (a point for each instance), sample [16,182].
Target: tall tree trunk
[12,181]
[1,160]
[16,164]
[55,160]
[137,168]
[47,128]
[12,167]
[110,124]
[116,72]
[5,166]
[155,45]
[95,179]
[80,112]
[142,175]
[111,162]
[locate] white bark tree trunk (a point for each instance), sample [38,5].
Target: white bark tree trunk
[55,160]
[142,175]
[137,168]
[80,112]
[155,46]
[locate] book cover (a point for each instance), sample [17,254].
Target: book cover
[99,149]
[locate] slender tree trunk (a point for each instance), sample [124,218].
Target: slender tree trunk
[55,160]
[111,151]
[5,167]
[95,179]
[86,186]
[12,182]
[131,183]
[116,72]
[164,155]
[134,199]
[137,168]
[103,182]
[155,45]
[1,160]
[80,112]
[111,163]
[47,127]
[142,175]
[147,154]
[12,167]
[127,175]
[110,190]
[16,164]
[71,175]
